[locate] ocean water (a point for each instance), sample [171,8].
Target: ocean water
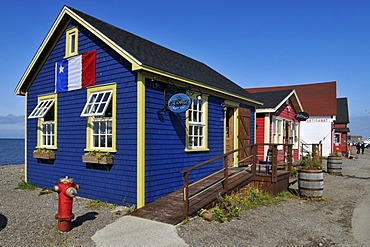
[11,151]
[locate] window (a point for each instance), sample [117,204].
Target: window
[97,104]
[42,108]
[197,129]
[295,135]
[72,42]
[46,112]
[337,138]
[277,130]
[101,113]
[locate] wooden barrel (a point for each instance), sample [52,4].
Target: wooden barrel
[334,165]
[311,183]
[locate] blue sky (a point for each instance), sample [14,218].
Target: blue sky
[253,43]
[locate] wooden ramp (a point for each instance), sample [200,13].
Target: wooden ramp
[169,209]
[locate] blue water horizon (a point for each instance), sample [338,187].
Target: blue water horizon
[11,151]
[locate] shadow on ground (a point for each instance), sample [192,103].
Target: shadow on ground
[3,222]
[81,219]
[356,177]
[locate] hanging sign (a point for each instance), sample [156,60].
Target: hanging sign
[179,102]
[302,116]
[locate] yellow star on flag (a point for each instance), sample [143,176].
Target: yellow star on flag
[61,69]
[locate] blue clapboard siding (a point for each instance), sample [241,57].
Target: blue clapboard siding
[165,154]
[117,185]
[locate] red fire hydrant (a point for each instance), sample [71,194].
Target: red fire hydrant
[66,190]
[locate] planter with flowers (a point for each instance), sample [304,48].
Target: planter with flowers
[44,153]
[98,157]
[310,178]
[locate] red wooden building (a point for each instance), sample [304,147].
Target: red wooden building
[276,122]
[340,127]
[319,100]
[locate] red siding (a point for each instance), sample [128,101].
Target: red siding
[260,134]
[286,112]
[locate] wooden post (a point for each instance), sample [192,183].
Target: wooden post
[290,157]
[315,153]
[186,194]
[226,174]
[254,159]
[274,163]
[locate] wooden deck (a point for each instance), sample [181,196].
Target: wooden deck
[169,209]
[271,177]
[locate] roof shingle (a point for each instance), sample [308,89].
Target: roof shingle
[163,59]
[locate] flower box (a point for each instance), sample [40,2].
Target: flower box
[44,155]
[97,160]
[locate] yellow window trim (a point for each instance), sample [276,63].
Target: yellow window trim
[94,89]
[39,121]
[69,33]
[205,130]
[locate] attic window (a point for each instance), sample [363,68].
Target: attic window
[72,42]
[97,104]
[42,108]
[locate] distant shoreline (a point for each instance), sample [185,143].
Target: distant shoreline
[11,138]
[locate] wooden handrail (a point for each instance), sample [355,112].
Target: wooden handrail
[254,152]
[209,161]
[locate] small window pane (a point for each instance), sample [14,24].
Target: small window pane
[109,141]
[73,41]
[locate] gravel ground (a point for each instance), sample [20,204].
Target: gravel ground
[298,222]
[27,218]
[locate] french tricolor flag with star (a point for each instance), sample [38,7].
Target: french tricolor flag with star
[75,72]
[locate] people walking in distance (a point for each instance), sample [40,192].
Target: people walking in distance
[358,147]
[362,148]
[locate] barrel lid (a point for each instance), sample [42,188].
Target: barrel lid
[66,180]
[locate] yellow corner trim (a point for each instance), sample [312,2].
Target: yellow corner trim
[140,141]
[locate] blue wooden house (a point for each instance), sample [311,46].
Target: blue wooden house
[95,94]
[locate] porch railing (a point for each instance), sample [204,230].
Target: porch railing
[313,150]
[282,157]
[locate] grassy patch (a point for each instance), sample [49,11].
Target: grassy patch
[97,204]
[230,206]
[22,185]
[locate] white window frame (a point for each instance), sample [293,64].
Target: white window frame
[46,129]
[42,108]
[101,133]
[197,125]
[277,130]
[97,104]
[47,134]
[98,100]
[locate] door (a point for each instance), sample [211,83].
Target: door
[229,135]
[244,136]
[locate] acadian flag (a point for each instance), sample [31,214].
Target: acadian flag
[76,72]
